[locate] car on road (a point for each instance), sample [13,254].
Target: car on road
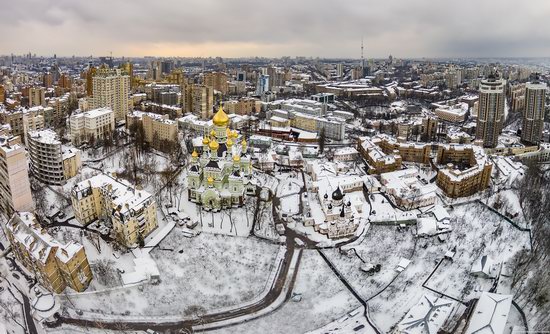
[16,276]
[280,229]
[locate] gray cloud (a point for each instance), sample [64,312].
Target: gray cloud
[404,28]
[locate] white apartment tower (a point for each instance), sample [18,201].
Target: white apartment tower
[15,190]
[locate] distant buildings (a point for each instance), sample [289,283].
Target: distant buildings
[91,125]
[51,162]
[133,212]
[263,84]
[55,265]
[242,106]
[111,89]
[15,190]
[490,116]
[533,116]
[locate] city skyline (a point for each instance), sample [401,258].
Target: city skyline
[411,29]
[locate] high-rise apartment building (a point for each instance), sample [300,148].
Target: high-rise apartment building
[37,96]
[15,190]
[533,116]
[490,111]
[199,100]
[263,84]
[217,80]
[111,89]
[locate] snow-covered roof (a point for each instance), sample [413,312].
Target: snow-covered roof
[123,195]
[427,316]
[490,314]
[26,230]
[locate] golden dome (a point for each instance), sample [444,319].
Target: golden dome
[194,154]
[243,143]
[234,134]
[210,180]
[236,158]
[205,141]
[220,118]
[229,142]
[214,145]
[213,133]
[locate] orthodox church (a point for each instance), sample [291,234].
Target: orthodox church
[217,178]
[341,218]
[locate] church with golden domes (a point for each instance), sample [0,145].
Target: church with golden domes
[218,176]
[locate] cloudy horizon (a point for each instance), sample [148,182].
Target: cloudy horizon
[244,28]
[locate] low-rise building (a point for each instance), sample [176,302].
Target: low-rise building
[55,265]
[407,191]
[451,112]
[132,211]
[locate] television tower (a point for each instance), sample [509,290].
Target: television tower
[362,59]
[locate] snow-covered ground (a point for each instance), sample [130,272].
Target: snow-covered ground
[197,275]
[324,299]
[476,231]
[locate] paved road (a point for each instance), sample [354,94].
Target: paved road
[31,326]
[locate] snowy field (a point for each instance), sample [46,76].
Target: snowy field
[198,275]
[324,299]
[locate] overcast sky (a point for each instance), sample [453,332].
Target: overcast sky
[234,28]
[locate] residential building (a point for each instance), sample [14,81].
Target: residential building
[490,116]
[37,96]
[55,265]
[262,85]
[463,170]
[51,162]
[96,123]
[242,106]
[111,89]
[15,190]
[157,129]
[216,80]
[517,97]
[132,211]
[533,116]
[199,100]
